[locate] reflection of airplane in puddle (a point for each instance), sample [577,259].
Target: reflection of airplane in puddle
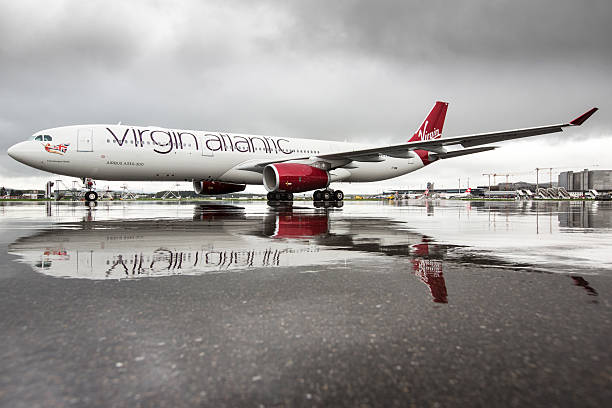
[429,270]
[225,238]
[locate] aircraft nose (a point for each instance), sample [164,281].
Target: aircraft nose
[11,151]
[17,152]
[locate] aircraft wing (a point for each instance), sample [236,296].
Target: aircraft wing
[404,150]
[466,141]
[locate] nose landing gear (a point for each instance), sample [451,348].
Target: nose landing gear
[90,195]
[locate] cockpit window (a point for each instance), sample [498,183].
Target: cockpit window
[48,138]
[39,138]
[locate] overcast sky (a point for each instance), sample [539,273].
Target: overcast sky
[364,71]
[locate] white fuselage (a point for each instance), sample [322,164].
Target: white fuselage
[134,153]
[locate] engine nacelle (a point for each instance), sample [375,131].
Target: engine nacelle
[294,177]
[205,187]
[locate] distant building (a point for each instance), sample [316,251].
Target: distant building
[519,185]
[475,191]
[500,194]
[600,180]
[28,194]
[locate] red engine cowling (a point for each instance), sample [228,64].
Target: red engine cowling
[205,187]
[294,177]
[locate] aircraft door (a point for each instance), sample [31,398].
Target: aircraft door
[205,149]
[85,140]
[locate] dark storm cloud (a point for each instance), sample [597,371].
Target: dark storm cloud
[359,70]
[67,39]
[439,30]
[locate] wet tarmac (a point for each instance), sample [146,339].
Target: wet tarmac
[427,303]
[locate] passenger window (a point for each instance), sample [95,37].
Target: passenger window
[39,138]
[48,138]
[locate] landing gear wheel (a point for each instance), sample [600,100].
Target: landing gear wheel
[317,195]
[278,196]
[338,195]
[327,195]
[91,196]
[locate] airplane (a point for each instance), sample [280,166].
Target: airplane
[221,163]
[465,194]
[418,196]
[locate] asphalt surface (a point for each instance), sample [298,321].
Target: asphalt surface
[367,305]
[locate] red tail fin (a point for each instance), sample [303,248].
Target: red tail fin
[432,126]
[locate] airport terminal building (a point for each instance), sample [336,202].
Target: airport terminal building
[600,180]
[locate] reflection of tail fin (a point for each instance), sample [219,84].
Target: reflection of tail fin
[430,272]
[421,249]
[432,126]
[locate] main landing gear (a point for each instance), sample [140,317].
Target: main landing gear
[280,196]
[328,198]
[328,195]
[322,198]
[280,199]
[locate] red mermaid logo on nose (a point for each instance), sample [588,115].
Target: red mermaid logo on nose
[56,149]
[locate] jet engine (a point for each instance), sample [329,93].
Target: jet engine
[294,177]
[206,187]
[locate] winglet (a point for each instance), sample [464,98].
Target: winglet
[582,118]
